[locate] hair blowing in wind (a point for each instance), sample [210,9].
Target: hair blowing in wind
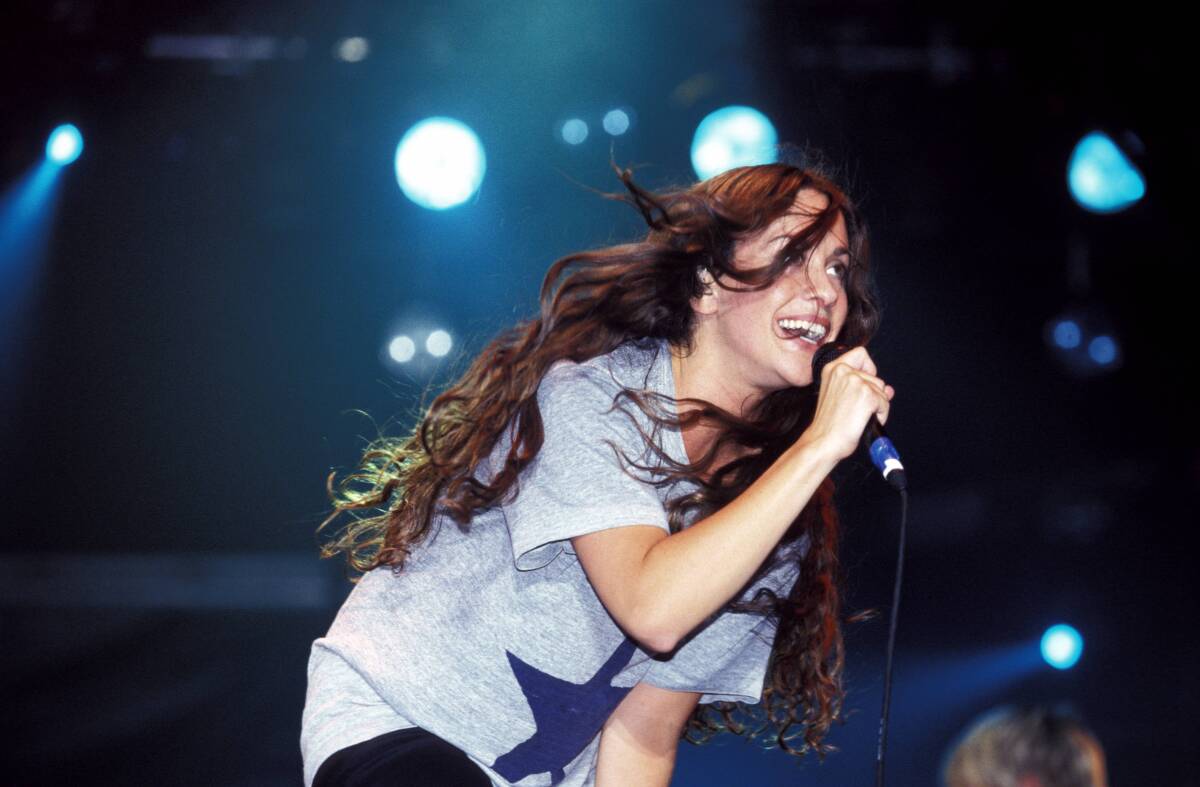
[590,303]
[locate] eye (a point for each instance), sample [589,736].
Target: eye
[841,269]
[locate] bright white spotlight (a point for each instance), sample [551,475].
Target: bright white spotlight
[439,163]
[1101,177]
[438,343]
[402,349]
[732,137]
[616,122]
[574,131]
[64,145]
[1061,646]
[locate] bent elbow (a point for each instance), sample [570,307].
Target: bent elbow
[665,645]
[658,639]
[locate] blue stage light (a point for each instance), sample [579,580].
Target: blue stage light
[732,137]
[1101,177]
[616,122]
[574,131]
[1061,646]
[1067,334]
[1103,350]
[64,145]
[440,163]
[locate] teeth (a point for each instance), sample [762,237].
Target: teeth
[814,331]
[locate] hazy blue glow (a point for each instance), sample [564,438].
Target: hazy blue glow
[1103,350]
[64,145]
[574,131]
[1061,646]
[731,137]
[440,163]
[353,50]
[1101,177]
[1067,334]
[402,349]
[438,343]
[27,211]
[616,122]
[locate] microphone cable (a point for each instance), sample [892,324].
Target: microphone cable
[891,644]
[884,456]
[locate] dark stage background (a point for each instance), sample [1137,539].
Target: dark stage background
[215,278]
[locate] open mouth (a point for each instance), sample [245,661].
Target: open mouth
[812,335]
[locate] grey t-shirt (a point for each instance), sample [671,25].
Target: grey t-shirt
[494,640]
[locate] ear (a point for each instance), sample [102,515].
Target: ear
[706,303]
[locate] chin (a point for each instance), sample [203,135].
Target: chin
[799,382]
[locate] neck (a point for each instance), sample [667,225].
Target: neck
[700,375]
[703,375]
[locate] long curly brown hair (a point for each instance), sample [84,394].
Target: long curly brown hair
[592,302]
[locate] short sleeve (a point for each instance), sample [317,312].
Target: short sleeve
[727,658]
[576,484]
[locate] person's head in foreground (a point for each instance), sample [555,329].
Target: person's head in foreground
[1026,747]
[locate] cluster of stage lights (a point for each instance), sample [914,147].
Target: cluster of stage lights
[440,161]
[1102,179]
[403,348]
[1083,341]
[615,123]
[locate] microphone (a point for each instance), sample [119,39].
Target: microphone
[878,445]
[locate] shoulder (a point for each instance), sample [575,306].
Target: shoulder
[569,388]
[583,403]
[625,367]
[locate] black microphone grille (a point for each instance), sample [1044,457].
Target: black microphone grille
[824,354]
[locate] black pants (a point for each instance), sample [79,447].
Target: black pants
[411,756]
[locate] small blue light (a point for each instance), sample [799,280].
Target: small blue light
[440,163]
[732,137]
[616,122]
[1061,646]
[1103,350]
[1067,334]
[64,145]
[574,131]
[1101,177]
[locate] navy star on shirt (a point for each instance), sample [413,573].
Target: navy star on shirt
[568,715]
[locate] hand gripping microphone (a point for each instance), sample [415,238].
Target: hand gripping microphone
[875,440]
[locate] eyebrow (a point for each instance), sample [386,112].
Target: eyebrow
[840,251]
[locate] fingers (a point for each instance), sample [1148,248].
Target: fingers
[878,384]
[856,358]
[857,362]
[883,392]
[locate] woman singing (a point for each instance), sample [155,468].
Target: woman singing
[617,526]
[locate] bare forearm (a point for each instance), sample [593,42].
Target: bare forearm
[622,760]
[693,573]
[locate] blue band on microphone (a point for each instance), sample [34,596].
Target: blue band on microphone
[884,456]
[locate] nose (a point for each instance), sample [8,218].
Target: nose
[820,285]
